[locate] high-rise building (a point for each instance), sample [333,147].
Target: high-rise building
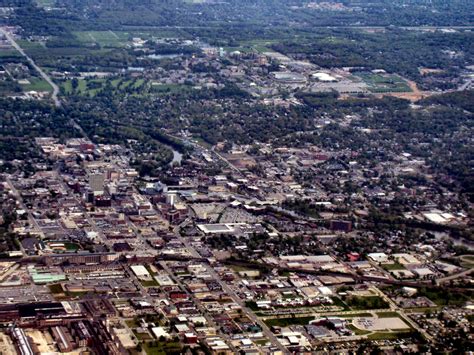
[96,183]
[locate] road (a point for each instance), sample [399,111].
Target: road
[45,76]
[454,276]
[211,151]
[225,160]
[402,313]
[467,85]
[23,206]
[198,304]
[225,287]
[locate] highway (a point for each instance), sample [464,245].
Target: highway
[45,76]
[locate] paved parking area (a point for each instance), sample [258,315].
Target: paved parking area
[372,323]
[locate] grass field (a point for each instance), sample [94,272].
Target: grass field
[387,314]
[56,288]
[159,348]
[9,53]
[390,335]
[284,322]
[151,283]
[45,3]
[157,32]
[90,87]
[467,261]
[393,266]
[29,45]
[358,331]
[446,297]
[354,315]
[133,323]
[37,84]
[382,83]
[257,45]
[39,52]
[366,302]
[112,39]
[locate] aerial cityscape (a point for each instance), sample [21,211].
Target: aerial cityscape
[236,177]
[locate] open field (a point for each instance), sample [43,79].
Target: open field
[45,3]
[387,314]
[9,53]
[467,261]
[90,87]
[284,322]
[158,348]
[117,39]
[414,95]
[393,266]
[259,45]
[390,335]
[103,38]
[384,83]
[357,331]
[366,302]
[37,84]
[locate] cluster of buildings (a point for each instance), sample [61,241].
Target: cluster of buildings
[235,262]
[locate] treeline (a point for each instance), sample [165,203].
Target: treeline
[462,99]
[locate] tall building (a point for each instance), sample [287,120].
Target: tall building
[171,199]
[96,183]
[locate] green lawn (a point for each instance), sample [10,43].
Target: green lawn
[143,336]
[112,39]
[162,348]
[71,246]
[45,3]
[132,323]
[56,288]
[467,261]
[354,315]
[284,322]
[37,84]
[446,297]
[8,53]
[366,302]
[338,302]
[90,87]
[260,45]
[380,83]
[388,314]
[390,335]
[29,45]
[252,305]
[357,331]
[152,283]
[393,266]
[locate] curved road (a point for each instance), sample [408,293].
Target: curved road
[45,76]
